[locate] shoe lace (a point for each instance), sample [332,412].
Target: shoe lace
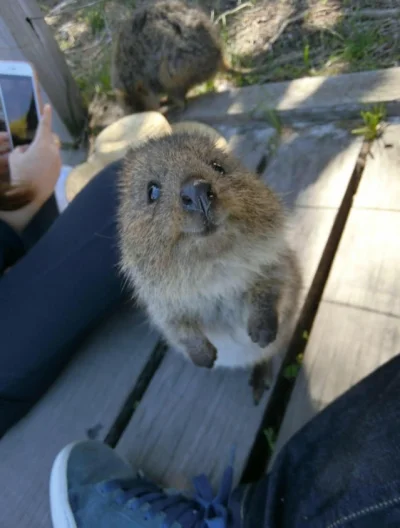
[202,510]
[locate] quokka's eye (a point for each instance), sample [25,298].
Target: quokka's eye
[153,192]
[217,167]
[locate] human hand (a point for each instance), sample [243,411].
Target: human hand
[40,162]
[35,167]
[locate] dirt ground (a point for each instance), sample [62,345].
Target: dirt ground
[289,38]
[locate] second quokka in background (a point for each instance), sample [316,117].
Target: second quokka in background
[203,245]
[164,49]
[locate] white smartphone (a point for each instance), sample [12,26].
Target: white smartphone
[20,99]
[3,116]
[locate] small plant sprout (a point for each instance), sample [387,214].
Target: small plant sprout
[271,436]
[274,120]
[290,371]
[306,56]
[373,123]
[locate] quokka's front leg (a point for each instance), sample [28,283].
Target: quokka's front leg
[263,322]
[192,341]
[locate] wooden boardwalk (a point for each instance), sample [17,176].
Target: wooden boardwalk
[357,327]
[174,420]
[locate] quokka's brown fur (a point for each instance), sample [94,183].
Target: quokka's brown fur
[203,245]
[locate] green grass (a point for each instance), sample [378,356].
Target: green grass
[373,119]
[306,56]
[290,371]
[97,80]
[206,87]
[348,47]
[358,48]
[94,18]
[209,86]
[103,83]
[247,79]
[224,35]
[271,437]
[274,120]
[359,45]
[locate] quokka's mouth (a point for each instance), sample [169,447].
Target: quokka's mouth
[207,229]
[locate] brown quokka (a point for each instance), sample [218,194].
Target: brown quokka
[164,49]
[203,244]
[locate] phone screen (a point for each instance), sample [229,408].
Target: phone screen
[20,108]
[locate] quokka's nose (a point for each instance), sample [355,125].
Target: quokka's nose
[197,196]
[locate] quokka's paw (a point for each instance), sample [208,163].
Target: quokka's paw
[263,328]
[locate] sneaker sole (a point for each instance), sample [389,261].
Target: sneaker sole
[61,513]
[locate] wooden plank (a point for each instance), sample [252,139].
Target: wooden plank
[312,167]
[9,49]
[317,99]
[189,418]
[380,184]
[250,146]
[26,25]
[174,433]
[345,345]
[83,402]
[367,266]
[307,234]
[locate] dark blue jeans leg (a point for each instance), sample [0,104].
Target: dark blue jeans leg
[343,468]
[41,223]
[56,294]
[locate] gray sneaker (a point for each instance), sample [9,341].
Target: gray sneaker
[92,487]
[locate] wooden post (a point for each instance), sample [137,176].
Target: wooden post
[33,38]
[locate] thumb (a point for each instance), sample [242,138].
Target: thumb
[18,153]
[44,129]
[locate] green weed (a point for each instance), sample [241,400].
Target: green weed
[96,21]
[206,87]
[96,80]
[372,119]
[287,72]
[224,34]
[359,45]
[290,371]
[274,120]
[94,17]
[103,83]
[271,436]
[306,56]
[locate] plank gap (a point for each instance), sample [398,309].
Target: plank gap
[129,406]
[262,164]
